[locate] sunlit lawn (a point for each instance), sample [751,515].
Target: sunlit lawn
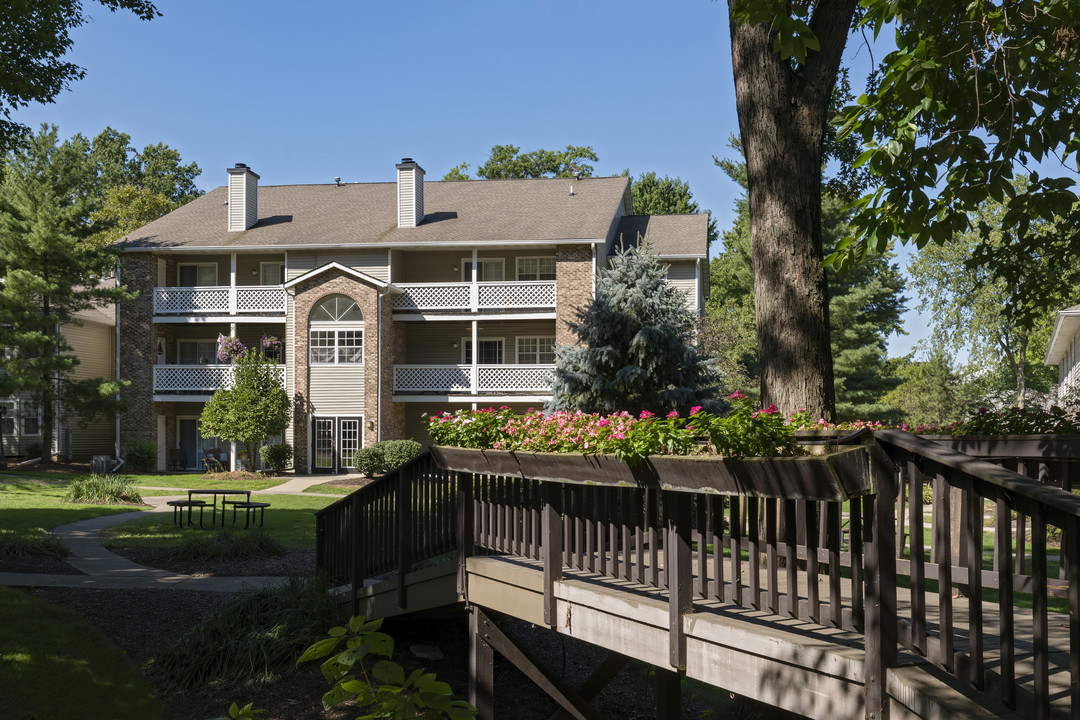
[290,520]
[53,664]
[28,503]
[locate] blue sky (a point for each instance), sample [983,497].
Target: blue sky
[306,92]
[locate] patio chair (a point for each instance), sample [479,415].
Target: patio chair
[212,460]
[174,459]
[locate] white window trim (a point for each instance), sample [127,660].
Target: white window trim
[22,420]
[336,328]
[466,273]
[196,340]
[197,265]
[13,415]
[465,340]
[263,264]
[532,257]
[538,338]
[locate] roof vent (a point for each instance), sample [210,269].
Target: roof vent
[243,198]
[410,193]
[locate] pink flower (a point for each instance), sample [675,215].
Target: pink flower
[736,395]
[673,414]
[695,410]
[770,410]
[645,414]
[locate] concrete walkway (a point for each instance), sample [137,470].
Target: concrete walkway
[108,571]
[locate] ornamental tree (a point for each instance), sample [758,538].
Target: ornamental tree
[635,349]
[254,408]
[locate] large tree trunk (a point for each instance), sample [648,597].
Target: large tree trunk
[782,108]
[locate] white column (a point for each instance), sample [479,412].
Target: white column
[474,296]
[232,284]
[162,448]
[473,372]
[232,457]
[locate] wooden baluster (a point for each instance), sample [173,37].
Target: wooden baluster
[791,556]
[813,591]
[735,532]
[551,537]
[943,543]
[678,569]
[465,530]
[772,601]
[580,510]
[881,620]
[627,500]
[716,529]
[856,508]
[652,521]
[612,518]
[1071,543]
[755,552]
[1003,565]
[1041,639]
[973,535]
[1020,556]
[640,499]
[568,524]
[918,566]
[832,542]
[591,531]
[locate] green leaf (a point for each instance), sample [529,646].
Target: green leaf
[388,671]
[319,650]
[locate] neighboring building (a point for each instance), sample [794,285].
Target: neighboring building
[1063,350]
[393,300]
[93,340]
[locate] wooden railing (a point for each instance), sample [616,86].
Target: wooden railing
[812,558]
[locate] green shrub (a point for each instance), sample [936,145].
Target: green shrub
[276,457]
[227,545]
[256,638]
[33,450]
[103,490]
[141,455]
[385,455]
[15,544]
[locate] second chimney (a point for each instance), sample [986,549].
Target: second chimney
[243,198]
[410,193]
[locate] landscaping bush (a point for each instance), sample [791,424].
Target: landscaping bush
[276,457]
[257,637]
[33,450]
[227,545]
[385,455]
[16,544]
[141,455]
[103,490]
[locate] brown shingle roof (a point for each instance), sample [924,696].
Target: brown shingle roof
[668,235]
[465,213]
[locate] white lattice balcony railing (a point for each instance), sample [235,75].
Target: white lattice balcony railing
[481,296]
[197,378]
[219,300]
[473,379]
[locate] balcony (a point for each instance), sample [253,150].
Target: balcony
[197,379]
[475,297]
[220,300]
[473,379]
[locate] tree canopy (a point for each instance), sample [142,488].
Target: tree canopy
[635,347]
[507,162]
[654,195]
[48,275]
[35,37]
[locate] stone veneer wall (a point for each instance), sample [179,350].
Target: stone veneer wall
[138,348]
[574,287]
[307,294]
[393,352]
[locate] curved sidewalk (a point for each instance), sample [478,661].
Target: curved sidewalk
[106,570]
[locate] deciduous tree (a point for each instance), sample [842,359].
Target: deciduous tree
[654,195]
[507,162]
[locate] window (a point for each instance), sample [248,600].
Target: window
[196,274]
[7,423]
[491,351]
[337,332]
[536,350]
[487,270]
[31,420]
[536,268]
[272,273]
[197,352]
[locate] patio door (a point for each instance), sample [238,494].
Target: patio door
[334,441]
[192,443]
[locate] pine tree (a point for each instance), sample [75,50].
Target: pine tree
[635,349]
[47,276]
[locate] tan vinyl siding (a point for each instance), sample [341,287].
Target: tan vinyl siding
[95,345]
[249,269]
[433,343]
[373,262]
[682,275]
[420,267]
[337,390]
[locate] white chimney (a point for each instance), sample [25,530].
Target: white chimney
[410,194]
[243,198]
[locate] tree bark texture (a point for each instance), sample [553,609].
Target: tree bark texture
[783,108]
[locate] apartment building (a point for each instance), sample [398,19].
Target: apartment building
[392,299]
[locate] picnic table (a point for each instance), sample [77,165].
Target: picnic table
[225,494]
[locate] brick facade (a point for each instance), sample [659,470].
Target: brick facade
[574,289]
[138,349]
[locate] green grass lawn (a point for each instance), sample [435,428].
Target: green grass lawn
[290,520]
[331,489]
[27,503]
[52,662]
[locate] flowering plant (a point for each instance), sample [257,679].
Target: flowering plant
[271,344]
[229,348]
[744,432]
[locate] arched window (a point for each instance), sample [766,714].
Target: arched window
[336,335]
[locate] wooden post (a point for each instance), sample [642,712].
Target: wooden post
[668,694]
[481,670]
[678,572]
[551,546]
[881,630]
[405,535]
[359,523]
[465,522]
